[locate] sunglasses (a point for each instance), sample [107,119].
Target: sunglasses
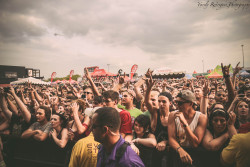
[87,93]
[179,103]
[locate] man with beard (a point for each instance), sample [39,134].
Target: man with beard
[40,129]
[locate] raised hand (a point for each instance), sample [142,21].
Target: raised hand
[87,74]
[206,88]
[237,69]
[148,73]
[225,69]
[232,118]
[75,108]
[121,79]
[149,80]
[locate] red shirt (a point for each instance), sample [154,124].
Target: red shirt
[125,122]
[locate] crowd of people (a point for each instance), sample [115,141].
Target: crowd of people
[150,122]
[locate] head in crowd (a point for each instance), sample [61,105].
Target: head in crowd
[142,124]
[110,98]
[185,100]
[61,108]
[242,110]
[58,120]
[143,107]
[221,96]
[43,114]
[88,93]
[128,97]
[70,95]
[198,92]
[211,99]
[105,123]
[215,106]
[154,98]
[164,100]
[212,91]
[218,121]
[98,101]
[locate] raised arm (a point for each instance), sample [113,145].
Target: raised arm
[94,88]
[236,71]
[25,112]
[81,127]
[150,84]
[137,86]
[12,107]
[204,99]
[229,85]
[4,106]
[118,86]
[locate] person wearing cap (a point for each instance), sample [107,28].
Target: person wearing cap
[186,127]
[159,120]
[127,100]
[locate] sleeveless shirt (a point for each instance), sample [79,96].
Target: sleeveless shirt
[180,132]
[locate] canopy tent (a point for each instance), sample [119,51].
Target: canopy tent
[29,80]
[214,75]
[101,73]
[244,74]
[189,76]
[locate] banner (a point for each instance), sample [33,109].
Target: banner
[71,74]
[53,76]
[133,70]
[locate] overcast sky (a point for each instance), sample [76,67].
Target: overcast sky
[150,33]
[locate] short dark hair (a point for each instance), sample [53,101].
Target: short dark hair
[97,100]
[113,95]
[167,95]
[47,112]
[63,119]
[217,112]
[144,122]
[107,116]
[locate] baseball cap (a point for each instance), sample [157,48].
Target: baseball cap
[187,95]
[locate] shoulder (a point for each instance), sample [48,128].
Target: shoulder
[124,112]
[65,130]
[130,158]
[202,117]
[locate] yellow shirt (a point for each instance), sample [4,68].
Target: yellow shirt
[238,150]
[84,153]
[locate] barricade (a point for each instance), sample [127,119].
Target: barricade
[29,153]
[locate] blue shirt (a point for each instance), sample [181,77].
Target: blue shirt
[129,158]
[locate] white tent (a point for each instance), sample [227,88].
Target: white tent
[29,80]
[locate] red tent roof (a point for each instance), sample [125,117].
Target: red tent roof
[215,75]
[101,72]
[194,72]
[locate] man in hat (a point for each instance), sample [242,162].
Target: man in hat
[186,127]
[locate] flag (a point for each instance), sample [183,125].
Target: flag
[71,74]
[133,70]
[53,76]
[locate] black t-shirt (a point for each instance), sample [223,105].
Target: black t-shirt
[18,125]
